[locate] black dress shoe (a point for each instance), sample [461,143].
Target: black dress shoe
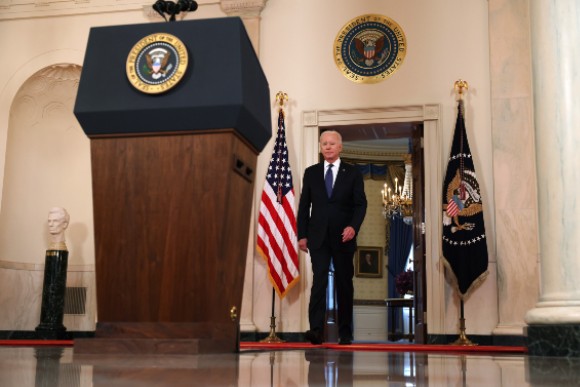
[345,341]
[314,337]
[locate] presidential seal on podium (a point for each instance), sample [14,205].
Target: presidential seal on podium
[157,63]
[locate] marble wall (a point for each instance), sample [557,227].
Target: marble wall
[514,163]
[21,296]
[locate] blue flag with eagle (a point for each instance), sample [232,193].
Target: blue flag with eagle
[464,241]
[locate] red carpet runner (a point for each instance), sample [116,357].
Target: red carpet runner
[286,346]
[387,347]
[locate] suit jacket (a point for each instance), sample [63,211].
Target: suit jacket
[320,216]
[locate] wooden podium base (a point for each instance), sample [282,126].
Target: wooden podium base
[172,220]
[159,338]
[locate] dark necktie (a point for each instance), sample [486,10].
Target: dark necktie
[328,180]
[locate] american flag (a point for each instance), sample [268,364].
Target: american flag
[277,241]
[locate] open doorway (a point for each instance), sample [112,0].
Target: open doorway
[392,132]
[384,153]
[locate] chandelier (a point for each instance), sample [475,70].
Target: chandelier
[399,201]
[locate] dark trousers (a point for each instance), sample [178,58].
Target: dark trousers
[343,273]
[329,368]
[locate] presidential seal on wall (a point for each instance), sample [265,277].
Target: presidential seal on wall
[369,48]
[157,63]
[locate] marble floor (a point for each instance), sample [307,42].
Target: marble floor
[60,367]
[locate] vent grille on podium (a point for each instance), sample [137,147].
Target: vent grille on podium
[75,299]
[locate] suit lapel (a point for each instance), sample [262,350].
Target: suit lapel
[319,177]
[341,175]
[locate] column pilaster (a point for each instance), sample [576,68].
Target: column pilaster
[554,324]
[249,11]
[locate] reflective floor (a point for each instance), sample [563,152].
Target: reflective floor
[59,367]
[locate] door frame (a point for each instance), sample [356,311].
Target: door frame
[429,114]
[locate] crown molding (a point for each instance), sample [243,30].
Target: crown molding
[243,8]
[30,9]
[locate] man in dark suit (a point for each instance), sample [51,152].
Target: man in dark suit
[331,210]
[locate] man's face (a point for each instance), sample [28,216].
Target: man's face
[330,146]
[56,223]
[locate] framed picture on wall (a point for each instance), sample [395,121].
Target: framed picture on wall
[369,262]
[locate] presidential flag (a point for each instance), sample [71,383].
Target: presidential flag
[464,241]
[277,241]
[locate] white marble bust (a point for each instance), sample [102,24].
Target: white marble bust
[58,220]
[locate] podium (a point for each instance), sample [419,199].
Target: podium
[173,182]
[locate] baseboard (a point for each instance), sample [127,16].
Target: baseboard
[492,340]
[33,335]
[498,340]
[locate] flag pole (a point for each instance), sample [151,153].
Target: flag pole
[462,340]
[272,337]
[272,361]
[461,86]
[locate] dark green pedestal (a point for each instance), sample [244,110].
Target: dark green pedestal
[53,293]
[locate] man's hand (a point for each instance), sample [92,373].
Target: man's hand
[303,244]
[348,233]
